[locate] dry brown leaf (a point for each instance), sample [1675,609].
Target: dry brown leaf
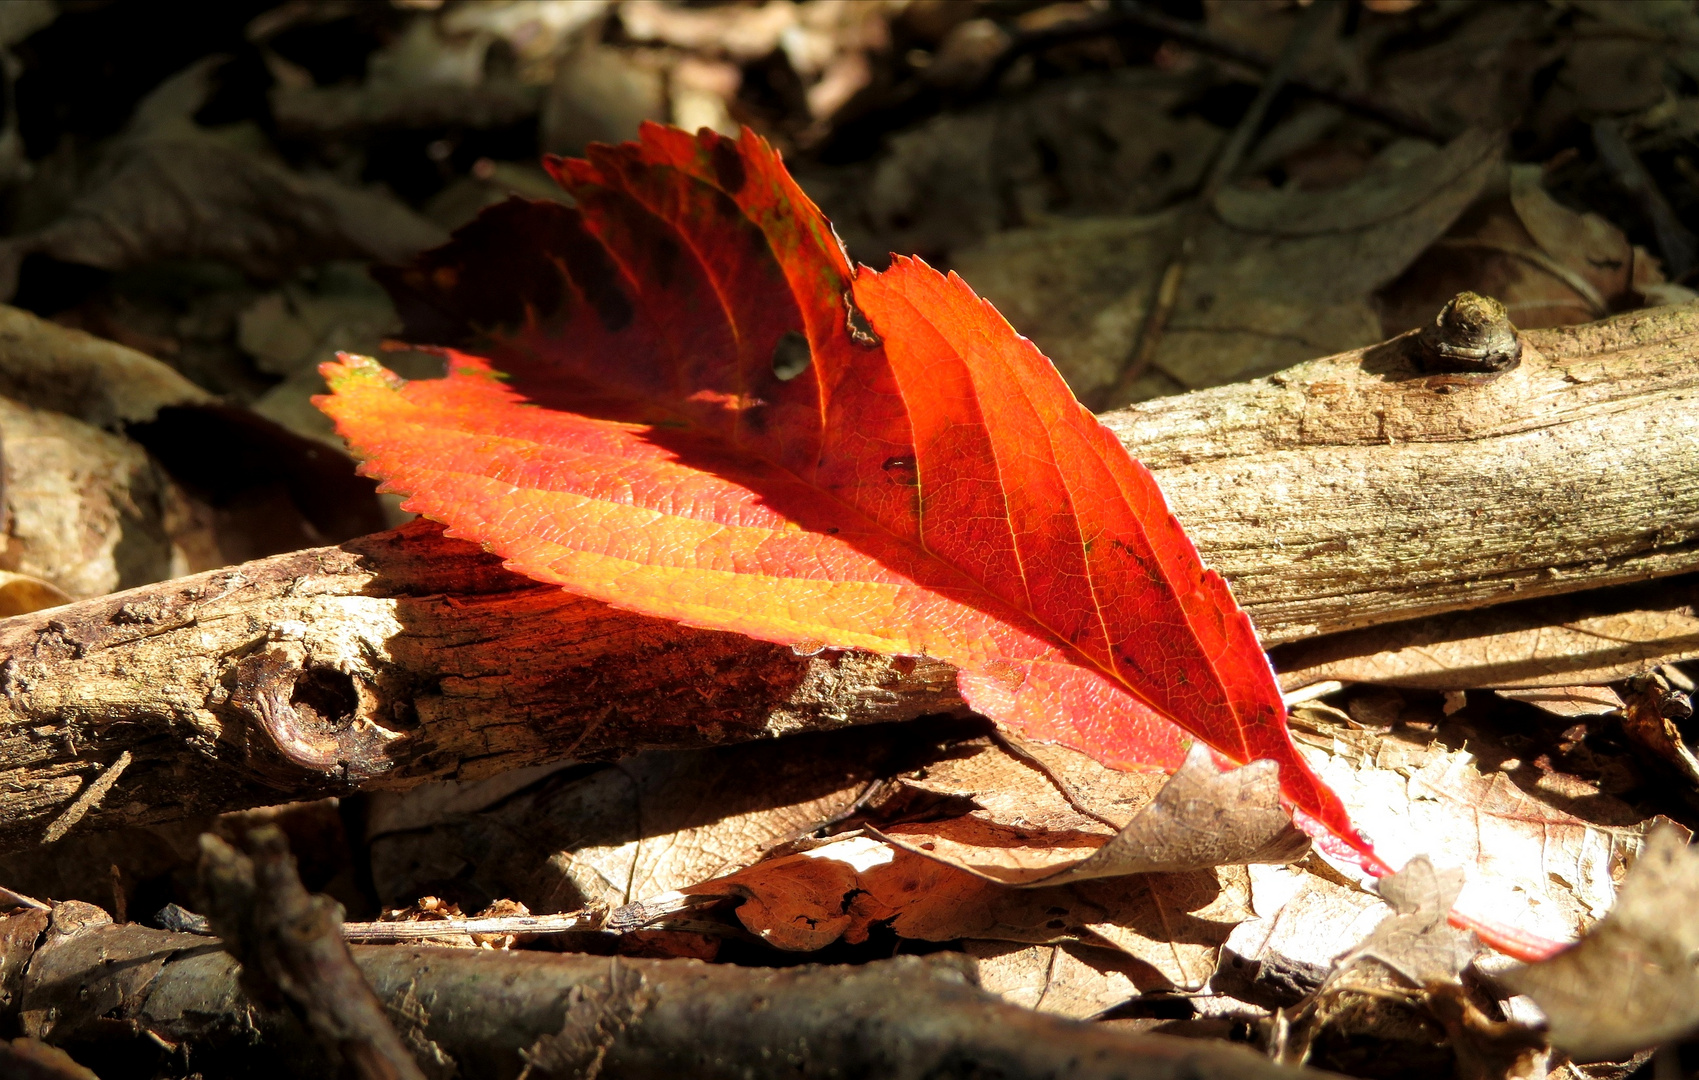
[1479,73]
[21,594]
[47,366]
[1173,922]
[1113,143]
[1068,980]
[292,330]
[1416,941]
[559,840]
[740,32]
[1631,983]
[1036,787]
[27,1057]
[88,511]
[1304,916]
[1280,277]
[428,76]
[1567,701]
[170,190]
[1202,817]
[1651,717]
[1487,1049]
[1549,265]
[1586,243]
[660,824]
[195,198]
[1020,815]
[19,931]
[1593,638]
[1377,990]
[1542,850]
[600,94]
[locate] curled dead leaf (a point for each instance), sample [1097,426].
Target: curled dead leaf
[1174,923]
[1202,817]
[1542,849]
[1069,980]
[1380,986]
[1567,701]
[1651,716]
[1416,940]
[1632,981]
[21,594]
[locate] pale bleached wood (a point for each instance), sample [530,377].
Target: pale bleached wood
[1353,490]
[1349,491]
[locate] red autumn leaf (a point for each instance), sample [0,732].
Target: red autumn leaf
[680,399]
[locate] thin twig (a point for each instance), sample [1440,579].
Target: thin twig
[1227,161]
[1311,692]
[87,799]
[570,922]
[12,899]
[360,933]
[1140,18]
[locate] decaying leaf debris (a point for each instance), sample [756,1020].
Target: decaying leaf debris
[679,851]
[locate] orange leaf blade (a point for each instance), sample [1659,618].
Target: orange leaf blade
[703,414]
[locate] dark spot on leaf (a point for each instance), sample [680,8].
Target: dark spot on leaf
[833,531]
[728,166]
[596,276]
[666,255]
[901,470]
[790,356]
[1056,924]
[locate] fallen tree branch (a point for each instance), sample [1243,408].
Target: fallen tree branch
[292,955]
[1350,491]
[129,990]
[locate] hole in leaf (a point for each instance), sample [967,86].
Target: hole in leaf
[790,356]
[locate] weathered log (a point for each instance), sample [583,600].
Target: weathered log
[117,995]
[1354,490]
[1345,492]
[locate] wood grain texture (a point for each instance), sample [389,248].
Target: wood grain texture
[1354,490]
[1349,491]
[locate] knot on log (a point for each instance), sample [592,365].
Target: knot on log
[1471,333]
[313,716]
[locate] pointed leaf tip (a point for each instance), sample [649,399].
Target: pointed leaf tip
[925,484]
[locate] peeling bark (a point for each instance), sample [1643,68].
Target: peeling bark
[1350,491]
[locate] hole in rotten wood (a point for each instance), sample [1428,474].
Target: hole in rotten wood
[325,695]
